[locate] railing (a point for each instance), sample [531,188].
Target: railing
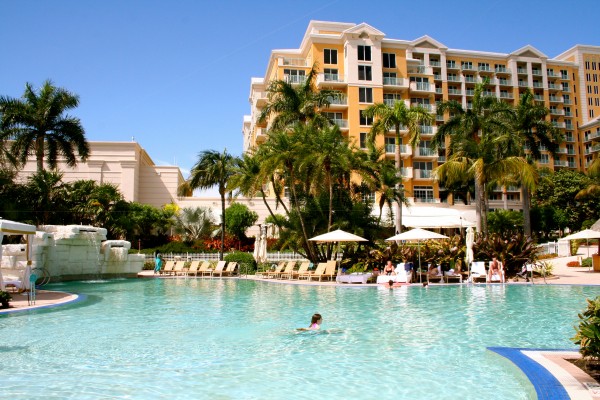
[555,99]
[297,62]
[342,123]
[454,91]
[521,70]
[451,65]
[390,148]
[393,81]
[555,86]
[339,100]
[502,70]
[423,86]
[435,63]
[504,82]
[333,78]
[427,152]
[506,95]
[536,72]
[467,67]
[426,129]
[271,256]
[295,78]
[453,78]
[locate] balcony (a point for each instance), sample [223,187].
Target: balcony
[484,68]
[571,164]
[552,74]
[422,173]
[390,148]
[556,112]
[596,148]
[451,65]
[441,159]
[504,82]
[424,200]
[569,138]
[439,118]
[437,77]
[422,87]
[467,67]
[438,90]
[561,163]
[338,101]
[591,136]
[502,70]
[341,123]
[522,71]
[555,99]
[295,79]
[453,78]
[470,92]
[390,102]
[538,85]
[261,135]
[295,62]
[504,95]
[566,101]
[470,79]
[420,70]
[426,152]
[428,107]
[330,80]
[435,63]
[405,150]
[558,124]
[568,125]
[522,84]
[395,82]
[554,86]
[538,97]
[537,72]
[427,129]
[454,92]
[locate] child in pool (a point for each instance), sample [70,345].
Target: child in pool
[315,323]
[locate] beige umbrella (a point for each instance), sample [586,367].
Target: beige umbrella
[338,236]
[469,241]
[586,234]
[417,235]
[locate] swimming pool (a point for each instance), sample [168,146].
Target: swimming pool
[235,339]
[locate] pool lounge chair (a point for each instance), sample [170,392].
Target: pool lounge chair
[278,270]
[218,269]
[205,269]
[330,270]
[193,269]
[437,277]
[168,268]
[478,271]
[288,272]
[178,269]
[231,269]
[302,270]
[400,276]
[318,272]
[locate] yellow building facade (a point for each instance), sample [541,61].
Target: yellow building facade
[366,67]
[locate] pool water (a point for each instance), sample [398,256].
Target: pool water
[236,339]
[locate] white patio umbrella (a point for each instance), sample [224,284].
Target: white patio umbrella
[417,235]
[338,236]
[586,234]
[260,248]
[469,241]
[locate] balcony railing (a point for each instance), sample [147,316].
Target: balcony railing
[426,129]
[470,92]
[453,78]
[558,124]
[502,70]
[427,152]
[555,99]
[295,79]
[428,107]
[470,79]
[340,99]
[504,82]
[437,77]
[538,85]
[422,173]
[538,97]
[536,72]
[484,68]
[454,91]
[333,78]
[296,62]
[422,86]
[342,123]
[555,86]
[522,71]
[522,84]
[393,81]
[390,148]
[467,67]
[506,95]
[435,63]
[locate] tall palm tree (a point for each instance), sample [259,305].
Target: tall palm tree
[481,146]
[38,124]
[214,169]
[290,103]
[534,131]
[395,117]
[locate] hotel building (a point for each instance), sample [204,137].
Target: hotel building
[366,67]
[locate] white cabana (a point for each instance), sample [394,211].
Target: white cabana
[17,228]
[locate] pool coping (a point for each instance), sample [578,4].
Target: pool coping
[552,376]
[70,298]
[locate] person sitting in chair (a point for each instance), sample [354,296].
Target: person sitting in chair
[495,269]
[389,269]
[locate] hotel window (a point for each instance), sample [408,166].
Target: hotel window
[330,56]
[484,66]
[293,75]
[331,74]
[544,159]
[423,194]
[391,98]
[334,117]
[365,95]
[591,113]
[363,140]
[390,145]
[565,86]
[466,65]
[564,74]
[451,64]
[389,60]
[364,73]
[364,53]
[364,120]
[368,198]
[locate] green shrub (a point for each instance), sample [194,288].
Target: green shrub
[587,334]
[148,265]
[245,260]
[586,262]
[5,298]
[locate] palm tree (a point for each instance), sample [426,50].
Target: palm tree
[535,131]
[193,223]
[38,124]
[214,168]
[481,146]
[396,117]
[290,103]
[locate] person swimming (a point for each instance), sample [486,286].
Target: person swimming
[315,323]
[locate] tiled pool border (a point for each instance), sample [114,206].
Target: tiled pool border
[73,300]
[550,380]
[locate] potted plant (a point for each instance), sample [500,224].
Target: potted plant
[5,297]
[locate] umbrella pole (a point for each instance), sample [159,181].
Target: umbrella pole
[420,273]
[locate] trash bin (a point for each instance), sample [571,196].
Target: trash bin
[596,262]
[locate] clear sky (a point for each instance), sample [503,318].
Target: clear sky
[175,74]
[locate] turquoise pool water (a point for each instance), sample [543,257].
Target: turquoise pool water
[235,339]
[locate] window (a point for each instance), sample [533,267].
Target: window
[484,66]
[466,65]
[390,145]
[389,60]
[365,95]
[364,120]
[544,159]
[565,86]
[331,74]
[364,53]
[451,64]
[364,73]
[391,98]
[369,198]
[423,194]
[564,74]
[363,140]
[294,75]
[389,78]
[330,56]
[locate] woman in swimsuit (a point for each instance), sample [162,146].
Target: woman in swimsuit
[495,270]
[389,268]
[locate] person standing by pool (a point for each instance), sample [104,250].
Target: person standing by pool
[158,263]
[315,323]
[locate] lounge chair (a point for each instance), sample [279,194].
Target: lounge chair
[319,271]
[437,276]
[478,271]
[330,270]
[231,269]
[277,271]
[193,269]
[205,269]
[288,272]
[302,270]
[400,276]
[451,275]
[178,269]
[218,269]
[168,268]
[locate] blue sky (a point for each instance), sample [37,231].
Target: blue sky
[175,75]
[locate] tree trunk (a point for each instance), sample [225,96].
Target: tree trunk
[39,153]
[222,193]
[397,204]
[478,191]
[526,201]
[505,197]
